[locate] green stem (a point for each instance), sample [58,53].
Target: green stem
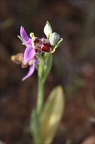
[40,97]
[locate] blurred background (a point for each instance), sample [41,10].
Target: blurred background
[73,68]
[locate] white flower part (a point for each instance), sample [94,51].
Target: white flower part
[47,29]
[54,38]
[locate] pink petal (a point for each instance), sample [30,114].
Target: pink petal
[29,53]
[23,34]
[30,72]
[27,42]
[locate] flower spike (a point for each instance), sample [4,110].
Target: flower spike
[35,46]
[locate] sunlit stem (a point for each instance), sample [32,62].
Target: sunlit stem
[40,97]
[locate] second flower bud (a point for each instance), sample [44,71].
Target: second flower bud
[54,38]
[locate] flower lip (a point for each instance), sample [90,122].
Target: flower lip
[41,45]
[46,47]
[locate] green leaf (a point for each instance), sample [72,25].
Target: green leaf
[35,128]
[41,65]
[51,115]
[47,66]
[39,56]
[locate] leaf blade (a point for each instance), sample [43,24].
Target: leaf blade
[52,114]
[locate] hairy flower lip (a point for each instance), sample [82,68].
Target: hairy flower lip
[41,45]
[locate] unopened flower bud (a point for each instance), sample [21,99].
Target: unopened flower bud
[47,29]
[54,38]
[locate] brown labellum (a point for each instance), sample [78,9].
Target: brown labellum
[46,47]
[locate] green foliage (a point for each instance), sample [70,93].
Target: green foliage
[35,128]
[47,66]
[44,127]
[51,115]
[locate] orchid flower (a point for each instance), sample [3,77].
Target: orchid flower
[29,52]
[35,45]
[28,58]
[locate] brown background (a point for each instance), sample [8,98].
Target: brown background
[73,67]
